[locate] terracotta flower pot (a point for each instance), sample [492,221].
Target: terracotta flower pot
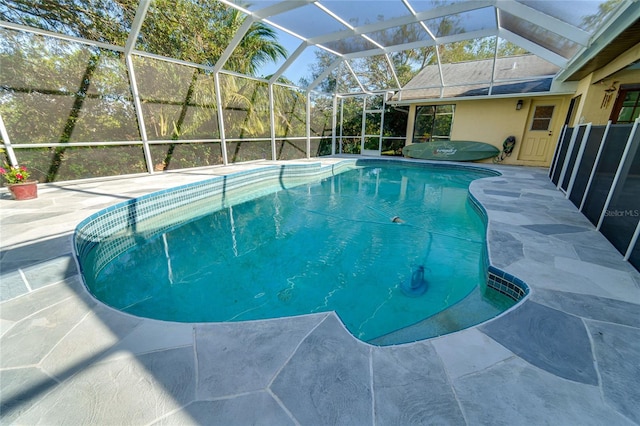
[24,191]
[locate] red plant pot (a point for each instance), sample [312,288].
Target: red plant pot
[24,191]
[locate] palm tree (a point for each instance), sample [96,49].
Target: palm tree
[192,30]
[199,31]
[258,47]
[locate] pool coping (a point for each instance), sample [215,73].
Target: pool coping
[584,302]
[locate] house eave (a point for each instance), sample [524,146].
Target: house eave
[480,97]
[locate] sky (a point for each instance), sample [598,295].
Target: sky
[310,21]
[300,68]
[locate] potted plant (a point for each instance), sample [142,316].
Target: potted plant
[18,182]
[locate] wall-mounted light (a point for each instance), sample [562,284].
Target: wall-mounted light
[519,105]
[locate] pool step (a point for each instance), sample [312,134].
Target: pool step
[477,307]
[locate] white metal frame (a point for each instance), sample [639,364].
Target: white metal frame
[576,165]
[633,242]
[623,166]
[128,52]
[521,11]
[556,154]
[595,165]
[565,164]
[7,144]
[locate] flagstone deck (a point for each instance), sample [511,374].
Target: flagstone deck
[568,355]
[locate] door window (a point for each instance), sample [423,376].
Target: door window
[542,117]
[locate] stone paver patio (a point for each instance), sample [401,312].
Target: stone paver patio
[568,355]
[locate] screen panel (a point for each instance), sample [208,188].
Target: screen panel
[106,21]
[290,112]
[562,155]
[57,91]
[245,104]
[605,171]
[248,151]
[573,155]
[178,101]
[623,212]
[185,155]
[287,149]
[586,164]
[71,163]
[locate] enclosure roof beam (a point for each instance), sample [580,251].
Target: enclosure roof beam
[290,60]
[543,20]
[532,47]
[141,12]
[403,20]
[235,41]
[324,74]
[60,36]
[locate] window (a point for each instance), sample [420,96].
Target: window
[542,117]
[627,107]
[433,122]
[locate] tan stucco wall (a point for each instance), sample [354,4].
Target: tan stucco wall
[493,120]
[592,88]
[591,108]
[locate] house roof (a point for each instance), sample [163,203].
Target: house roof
[511,75]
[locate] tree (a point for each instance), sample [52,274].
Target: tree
[192,30]
[593,21]
[199,31]
[40,78]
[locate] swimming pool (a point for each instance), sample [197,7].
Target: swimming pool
[389,247]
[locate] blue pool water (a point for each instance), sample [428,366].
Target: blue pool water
[384,247]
